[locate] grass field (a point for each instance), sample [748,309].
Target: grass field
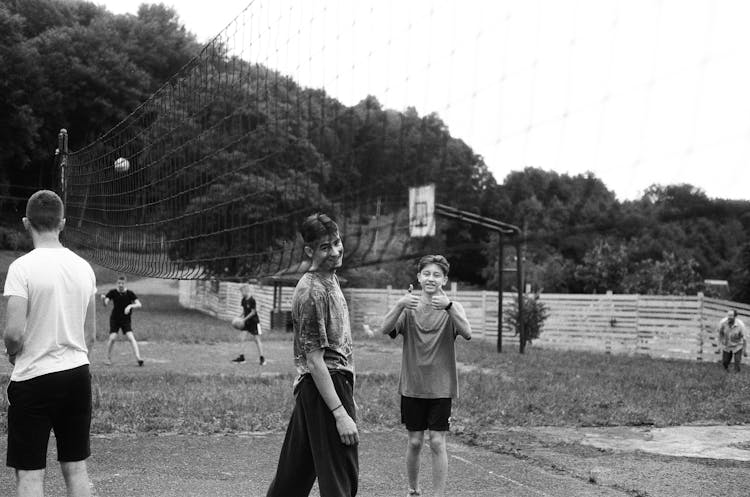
[190,386]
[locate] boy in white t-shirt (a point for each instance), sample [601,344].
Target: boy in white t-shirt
[51,326]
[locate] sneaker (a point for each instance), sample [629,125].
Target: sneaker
[140,362]
[240,359]
[262,361]
[413,492]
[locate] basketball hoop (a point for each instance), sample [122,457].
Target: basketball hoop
[422,211]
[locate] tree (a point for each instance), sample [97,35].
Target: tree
[19,126]
[603,269]
[669,276]
[740,283]
[75,65]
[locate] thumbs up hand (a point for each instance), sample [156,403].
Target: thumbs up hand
[440,300]
[409,300]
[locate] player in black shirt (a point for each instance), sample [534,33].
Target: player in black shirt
[250,326]
[123,303]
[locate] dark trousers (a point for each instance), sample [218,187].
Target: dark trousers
[726,358]
[312,446]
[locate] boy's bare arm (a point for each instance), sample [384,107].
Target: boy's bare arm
[408,301]
[15,326]
[345,425]
[90,324]
[460,321]
[135,305]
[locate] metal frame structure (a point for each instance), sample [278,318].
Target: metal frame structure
[503,229]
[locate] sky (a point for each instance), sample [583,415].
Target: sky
[637,92]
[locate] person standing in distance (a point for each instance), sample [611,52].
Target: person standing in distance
[250,326]
[732,339]
[322,438]
[429,324]
[123,303]
[50,329]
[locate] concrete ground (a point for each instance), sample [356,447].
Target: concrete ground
[184,466]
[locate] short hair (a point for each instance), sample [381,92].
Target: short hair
[44,210]
[245,286]
[733,312]
[316,227]
[438,260]
[122,277]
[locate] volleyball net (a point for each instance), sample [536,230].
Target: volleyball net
[282,115]
[213,174]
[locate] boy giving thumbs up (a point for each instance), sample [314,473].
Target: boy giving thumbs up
[429,323]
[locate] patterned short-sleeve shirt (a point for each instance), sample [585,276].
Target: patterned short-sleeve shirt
[732,337]
[321,321]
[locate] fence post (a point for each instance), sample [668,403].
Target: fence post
[484,312]
[638,323]
[609,303]
[701,321]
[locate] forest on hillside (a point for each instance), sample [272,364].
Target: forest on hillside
[72,64]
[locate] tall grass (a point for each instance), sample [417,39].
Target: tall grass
[162,318]
[538,389]
[548,387]
[541,387]
[178,403]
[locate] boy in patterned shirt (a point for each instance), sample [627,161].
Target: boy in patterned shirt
[321,440]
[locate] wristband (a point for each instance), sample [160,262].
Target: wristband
[448,307]
[334,409]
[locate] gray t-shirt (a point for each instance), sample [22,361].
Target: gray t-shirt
[321,321]
[428,360]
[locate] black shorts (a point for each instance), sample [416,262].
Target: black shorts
[251,326]
[426,414]
[57,401]
[120,324]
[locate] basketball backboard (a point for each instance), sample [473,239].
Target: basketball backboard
[422,210]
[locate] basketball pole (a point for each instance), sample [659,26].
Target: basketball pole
[500,271]
[62,157]
[502,229]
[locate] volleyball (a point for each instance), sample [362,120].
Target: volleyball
[122,164]
[238,323]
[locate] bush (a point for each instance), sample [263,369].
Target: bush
[535,313]
[11,239]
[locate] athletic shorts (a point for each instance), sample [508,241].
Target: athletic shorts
[120,324]
[56,401]
[251,326]
[426,414]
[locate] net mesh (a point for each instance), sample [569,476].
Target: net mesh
[212,175]
[273,120]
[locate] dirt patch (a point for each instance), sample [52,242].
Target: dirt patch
[710,442]
[613,457]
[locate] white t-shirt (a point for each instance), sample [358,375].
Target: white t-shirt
[58,286]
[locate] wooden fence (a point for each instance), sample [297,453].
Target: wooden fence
[681,327]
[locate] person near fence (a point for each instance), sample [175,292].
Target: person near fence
[50,329]
[123,302]
[732,340]
[322,438]
[429,324]
[250,325]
